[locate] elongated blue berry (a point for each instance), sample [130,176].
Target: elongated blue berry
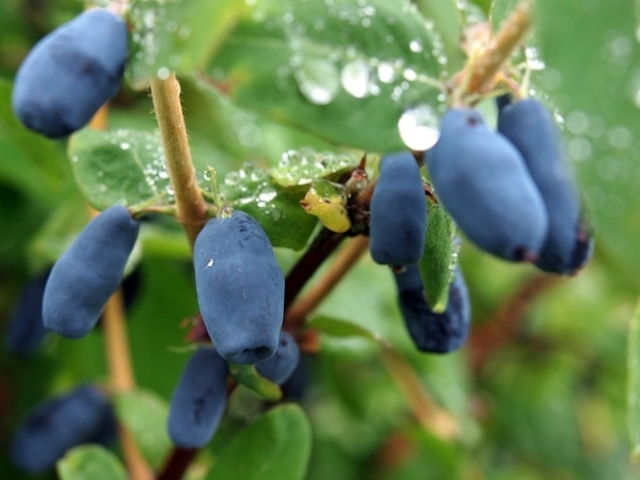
[398,212]
[58,424]
[71,73]
[240,288]
[26,330]
[199,400]
[88,272]
[279,367]
[430,331]
[529,126]
[481,179]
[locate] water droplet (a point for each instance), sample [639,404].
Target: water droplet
[355,78]
[209,262]
[163,73]
[318,81]
[418,127]
[232,178]
[386,72]
[534,61]
[416,45]
[267,194]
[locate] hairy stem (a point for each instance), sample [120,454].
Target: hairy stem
[344,260]
[481,73]
[190,205]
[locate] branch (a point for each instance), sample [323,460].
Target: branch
[344,260]
[430,416]
[504,324]
[323,245]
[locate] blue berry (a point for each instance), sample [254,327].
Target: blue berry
[71,73]
[398,212]
[58,424]
[279,367]
[430,331]
[240,288]
[529,126]
[199,400]
[88,272]
[482,181]
[26,330]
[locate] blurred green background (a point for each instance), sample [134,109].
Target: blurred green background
[539,392]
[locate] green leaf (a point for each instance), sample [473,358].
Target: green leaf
[438,256]
[275,207]
[58,231]
[276,447]
[633,387]
[90,462]
[121,166]
[29,161]
[144,413]
[339,327]
[177,36]
[596,89]
[446,21]
[345,71]
[250,378]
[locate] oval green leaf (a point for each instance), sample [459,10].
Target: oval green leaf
[120,166]
[344,71]
[438,257]
[177,36]
[90,462]
[276,447]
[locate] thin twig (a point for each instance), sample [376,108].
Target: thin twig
[117,350]
[122,379]
[430,416]
[503,325]
[190,205]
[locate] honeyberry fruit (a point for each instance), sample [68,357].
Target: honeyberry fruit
[279,367]
[88,273]
[26,330]
[482,181]
[398,212]
[430,331]
[198,400]
[71,73]
[58,424]
[529,126]
[240,288]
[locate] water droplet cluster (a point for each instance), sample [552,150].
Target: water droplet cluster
[300,167]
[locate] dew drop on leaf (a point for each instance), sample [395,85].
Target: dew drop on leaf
[355,78]
[418,127]
[318,81]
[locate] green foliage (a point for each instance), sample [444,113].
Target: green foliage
[91,463]
[275,447]
[144,414]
